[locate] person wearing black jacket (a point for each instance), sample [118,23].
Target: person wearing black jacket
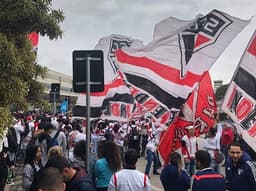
[239,169]
[5,164]
[76,178]
[206,179]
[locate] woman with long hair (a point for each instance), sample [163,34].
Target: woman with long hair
[109,161]
[173,178]
[80,158]
[32,165]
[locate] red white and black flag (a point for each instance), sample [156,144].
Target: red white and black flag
[116,101]
[198,111]
[240,98]
[170,66]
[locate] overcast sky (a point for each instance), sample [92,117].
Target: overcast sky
[87,21]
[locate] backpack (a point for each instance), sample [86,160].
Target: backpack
[108,134]
[52,141]
[134,135]
[227,136]
[55,139]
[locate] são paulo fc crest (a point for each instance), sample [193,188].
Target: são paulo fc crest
[203,32]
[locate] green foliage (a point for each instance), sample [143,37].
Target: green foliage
[25,16]
[18,72]
[5,120]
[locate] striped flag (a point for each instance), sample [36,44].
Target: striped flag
[116,102]
[240,99]
[170,66]
[198,111]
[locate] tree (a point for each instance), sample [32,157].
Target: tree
[18,72]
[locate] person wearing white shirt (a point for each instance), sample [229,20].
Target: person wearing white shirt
[212,143]
[74,137]
[129,179]
[189,143]
[19,128]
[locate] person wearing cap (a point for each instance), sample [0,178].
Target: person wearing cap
[189,148]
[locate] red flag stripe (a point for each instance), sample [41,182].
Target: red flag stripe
[116,83]
[166,72]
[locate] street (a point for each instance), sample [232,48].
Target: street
[154,179]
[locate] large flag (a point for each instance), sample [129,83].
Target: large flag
[116,101]
[198,110]
[169,67]
[240,98]
[171,26]
[148,105]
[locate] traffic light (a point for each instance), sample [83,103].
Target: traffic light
[55,87]
[55,92]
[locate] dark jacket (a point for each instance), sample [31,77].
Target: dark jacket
[4,164]
[240,177]
[208,180]
[173,181]
[80,181]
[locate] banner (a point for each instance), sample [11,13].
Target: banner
[240,99]
[171,26]
[169,67]
[198,111]
[116,102]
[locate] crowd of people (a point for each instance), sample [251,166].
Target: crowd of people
[53,150]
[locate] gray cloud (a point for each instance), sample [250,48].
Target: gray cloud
[87,21]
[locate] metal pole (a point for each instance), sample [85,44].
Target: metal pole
[54,102]
[88,113]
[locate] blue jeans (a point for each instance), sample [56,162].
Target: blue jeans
[190,167]
[151,157]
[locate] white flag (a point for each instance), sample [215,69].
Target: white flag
[240,98]
[169,67]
